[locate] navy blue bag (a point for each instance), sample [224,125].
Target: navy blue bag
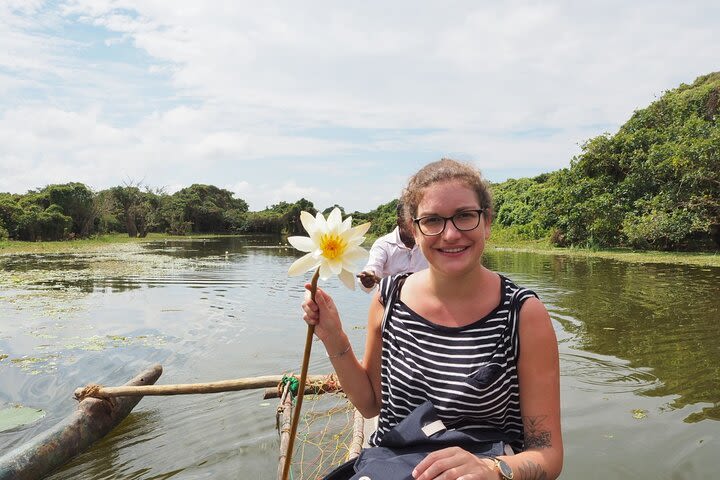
[403,447]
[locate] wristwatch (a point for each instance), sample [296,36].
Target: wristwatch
[503,469]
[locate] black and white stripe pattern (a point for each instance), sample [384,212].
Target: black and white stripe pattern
[468,373]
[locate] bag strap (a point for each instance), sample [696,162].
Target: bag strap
[392,298]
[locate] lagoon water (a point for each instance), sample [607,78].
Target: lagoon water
[640,358]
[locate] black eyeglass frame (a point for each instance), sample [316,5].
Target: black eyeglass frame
[479,211]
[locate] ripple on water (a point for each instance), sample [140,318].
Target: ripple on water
[606,375]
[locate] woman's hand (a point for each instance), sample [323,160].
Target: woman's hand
[323,314]
[454,463]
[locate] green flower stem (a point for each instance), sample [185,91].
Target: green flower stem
[303,379]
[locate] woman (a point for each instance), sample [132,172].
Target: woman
[480,349]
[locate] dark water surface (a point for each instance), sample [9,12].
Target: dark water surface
[640,354]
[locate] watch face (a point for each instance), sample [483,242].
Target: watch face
[505,469]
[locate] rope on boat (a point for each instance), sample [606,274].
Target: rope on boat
[292,381]
[317,385]
[94,390]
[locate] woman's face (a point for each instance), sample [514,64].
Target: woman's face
[453,252]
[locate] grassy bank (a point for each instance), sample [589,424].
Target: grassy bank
[73,246]
[501,240]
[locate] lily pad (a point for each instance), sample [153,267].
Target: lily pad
[17,415]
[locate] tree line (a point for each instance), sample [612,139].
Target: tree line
[655,184]
[73,210]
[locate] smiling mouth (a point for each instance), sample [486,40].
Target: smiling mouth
[453,250]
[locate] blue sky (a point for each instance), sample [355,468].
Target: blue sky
[332,101]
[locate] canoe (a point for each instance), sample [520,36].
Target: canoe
[92,419]
[351,441]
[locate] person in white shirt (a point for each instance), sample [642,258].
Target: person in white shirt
[391,254]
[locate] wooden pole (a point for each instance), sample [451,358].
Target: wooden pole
[188,388]
[284,416]
[303,378]
[358,436]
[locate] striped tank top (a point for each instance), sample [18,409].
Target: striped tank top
[468,373]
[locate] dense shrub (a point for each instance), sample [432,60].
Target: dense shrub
[653,184]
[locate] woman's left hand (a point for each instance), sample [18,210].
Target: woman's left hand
[454,463]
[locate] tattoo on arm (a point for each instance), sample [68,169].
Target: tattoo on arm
[532,471]
[535,435]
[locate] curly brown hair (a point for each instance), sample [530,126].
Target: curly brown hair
[444,170]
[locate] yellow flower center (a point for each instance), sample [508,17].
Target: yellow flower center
[332,246]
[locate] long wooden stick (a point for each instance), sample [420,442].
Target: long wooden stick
[303,378]
[284,422]
[187,388]
[358,436]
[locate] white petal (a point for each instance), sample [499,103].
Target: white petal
[320,223]
[308,222]
[334,220]
[325,271]
[302,265]
[347,224]
[358,231]
[348,279]
[353,257]
[316,236]
[304,244]
[336,265]
[353,266]
[356,242]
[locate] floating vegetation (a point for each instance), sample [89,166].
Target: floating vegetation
[17,416]
[100,342]
[36,365]
[48,363]
[639,413]
[49,293]
[86,270]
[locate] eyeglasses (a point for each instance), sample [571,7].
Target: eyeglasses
[433,225]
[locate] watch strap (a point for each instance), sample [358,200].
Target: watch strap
[500,470]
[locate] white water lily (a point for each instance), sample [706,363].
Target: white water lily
[333,246]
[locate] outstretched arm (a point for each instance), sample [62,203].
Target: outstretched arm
[374,270]
[360,381]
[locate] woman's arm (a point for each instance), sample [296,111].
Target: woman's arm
[539,376]
[360,381]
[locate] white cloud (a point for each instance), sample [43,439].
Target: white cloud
[337,103]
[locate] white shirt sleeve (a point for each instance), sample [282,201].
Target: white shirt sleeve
[378,257]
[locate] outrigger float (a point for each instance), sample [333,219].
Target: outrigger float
[92,419]
[100,409]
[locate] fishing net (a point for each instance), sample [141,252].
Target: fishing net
[324,436]
[327,432]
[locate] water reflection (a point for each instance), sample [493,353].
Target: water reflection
[194,262]
[632,338]
[661,319]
